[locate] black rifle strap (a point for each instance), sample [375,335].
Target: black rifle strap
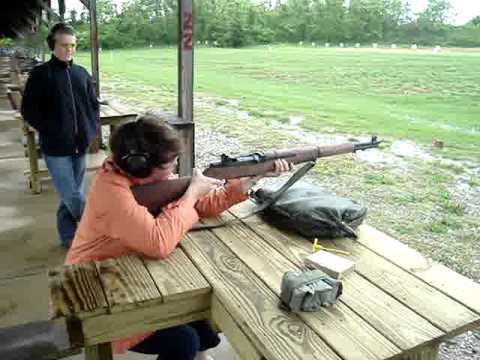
[275,196]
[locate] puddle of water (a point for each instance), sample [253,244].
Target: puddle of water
[233,102]
[243,115]
[295,120]
[377,156]
[200,103]
[406,148]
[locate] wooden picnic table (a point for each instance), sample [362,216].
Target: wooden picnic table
[114,113]
[395,305]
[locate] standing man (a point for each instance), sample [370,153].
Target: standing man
[60,103]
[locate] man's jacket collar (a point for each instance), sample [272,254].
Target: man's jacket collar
[57,62]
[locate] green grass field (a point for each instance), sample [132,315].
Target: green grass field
[409,94]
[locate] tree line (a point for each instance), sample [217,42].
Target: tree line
[237,23]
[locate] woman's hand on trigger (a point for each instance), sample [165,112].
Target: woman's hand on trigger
[201,185]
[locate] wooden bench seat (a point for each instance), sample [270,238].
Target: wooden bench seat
[116,298]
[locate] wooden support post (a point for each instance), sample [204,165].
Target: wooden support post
[61,9]
[34,177]
[240,342]
[94,44]
[99,352]
[185,85]
[92,7]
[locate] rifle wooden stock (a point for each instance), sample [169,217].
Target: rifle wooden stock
[157,195]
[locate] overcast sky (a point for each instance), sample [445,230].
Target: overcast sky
[464,10]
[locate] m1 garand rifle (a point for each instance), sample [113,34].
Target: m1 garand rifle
[156,195]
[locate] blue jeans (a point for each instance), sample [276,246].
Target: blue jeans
[68,175]
[179,342]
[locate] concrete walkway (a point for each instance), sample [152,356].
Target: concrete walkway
[28,244]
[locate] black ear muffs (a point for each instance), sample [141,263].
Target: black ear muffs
[137,161]
[51,41]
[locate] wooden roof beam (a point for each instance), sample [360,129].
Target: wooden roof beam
[86,3]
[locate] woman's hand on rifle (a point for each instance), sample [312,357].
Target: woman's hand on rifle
[280,167]
[201,185]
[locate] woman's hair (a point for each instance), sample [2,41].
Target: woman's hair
[140,146]
[58,28]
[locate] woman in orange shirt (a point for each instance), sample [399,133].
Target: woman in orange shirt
[144,152]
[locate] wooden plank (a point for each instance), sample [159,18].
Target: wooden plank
[236,337]
[94,161]
[439,309]
[439,276]
[176,277]
[276,334]
[397,322]
[155,316]
[16,100]
[42,172]
[445,313]
[75,290]
[121,109]
[115,120]
[102,111]
[429,352]
[347,332]
[99,352]
[107,111]
[126,283]
[34,177]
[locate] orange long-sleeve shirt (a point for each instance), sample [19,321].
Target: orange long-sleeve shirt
[114,224]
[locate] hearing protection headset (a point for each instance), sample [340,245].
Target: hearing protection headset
[137,162]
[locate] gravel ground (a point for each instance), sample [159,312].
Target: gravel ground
[397,205]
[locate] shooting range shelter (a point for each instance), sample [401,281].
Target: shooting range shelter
[20,17]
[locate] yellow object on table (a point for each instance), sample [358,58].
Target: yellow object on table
[316,247]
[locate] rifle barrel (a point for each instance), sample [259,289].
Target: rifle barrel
[155,196]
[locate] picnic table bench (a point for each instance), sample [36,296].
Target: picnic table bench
[395,305]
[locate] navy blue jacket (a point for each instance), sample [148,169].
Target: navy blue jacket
[59,102]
